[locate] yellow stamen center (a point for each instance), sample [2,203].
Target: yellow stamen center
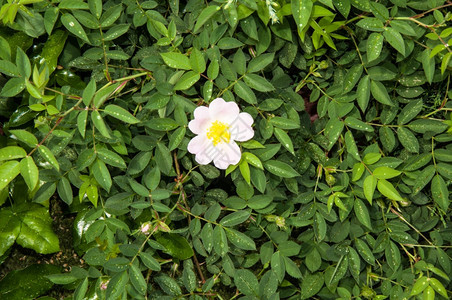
[218,133]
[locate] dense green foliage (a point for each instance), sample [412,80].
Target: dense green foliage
[344,191]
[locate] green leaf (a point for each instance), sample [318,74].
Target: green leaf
[29,172]
[440,192]
[319,227]
[278,266]
[239,62]
[350,143]
[423,179]
[427,125]
[137,279]
[438,287]
[352,78]
[385,173]
[36,230]
[246,282]
[149,261]
[374,46]
[245,171]
[53,48]
[24,136]
[206,14]
[162,124]
[176,60]
[395,39]
[220,242]
[9,229]
[369,185]
[445,62]
[95,7]
[284,139]
[82,119]
[176,245]
[380,93]
[280,169]
[35,276]
[362,213]
[420,285]
[48,156]
[365,251]
[103,94]
[392,255]
[23,63]
[240,240]
[8,68]
[284,123]
[343,6]
[358,124]
[371,24]
[13,87]
[235,218]
[410,111]
[115,32]
[99,123]
[197,62]
[363,92]
[371,158]
[428,64]
[164,161]
[387,138]
[301,12]
[176,138]
[311,285]
[252,159]
[243,91]
[258,83]
[111,158]
[74,27]
[388,190]
[120,114]
[81,290]
[408,140]
[187,80]
[101,174]
[333,130]
[65,190]
[117,284]
[12,152]
[358,171]
[354,263]
[260,62]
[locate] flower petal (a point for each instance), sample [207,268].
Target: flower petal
[229,154]
[241,129]
[198,144]
[202,158]
[223,111]
[201,121]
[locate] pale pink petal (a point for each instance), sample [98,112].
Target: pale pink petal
[202,158]
[199,126]
[201,121]
[223,111]
[216,106]
[241,129]
[198,144]
[230,155]
[201,112]
[246,118]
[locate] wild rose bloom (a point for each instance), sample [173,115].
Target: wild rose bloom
[218,127]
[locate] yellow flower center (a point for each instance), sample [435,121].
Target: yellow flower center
[218,133]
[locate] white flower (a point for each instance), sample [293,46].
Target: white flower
[218,127]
